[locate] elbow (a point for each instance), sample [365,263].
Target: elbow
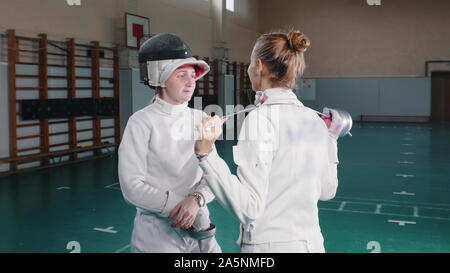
[327,196]
[247,220]
[127,193]
[329,193]
[329,184]
[130,190]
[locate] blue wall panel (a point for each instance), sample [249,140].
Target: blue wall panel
[374,96]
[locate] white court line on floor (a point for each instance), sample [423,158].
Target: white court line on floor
[122,249]
[387,214]
[404,193]
[399,203]
[416,211]
[63,188]
[407,144]
[401,223]
[108,230]
[406,153]
[112,186]
[405,162]
[387,205]
[378,210]
[405,175]
[347,198]
[341,207]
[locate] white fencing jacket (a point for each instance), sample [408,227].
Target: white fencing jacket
[286,163]
[157,165]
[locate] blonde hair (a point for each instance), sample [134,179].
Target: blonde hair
[283,55]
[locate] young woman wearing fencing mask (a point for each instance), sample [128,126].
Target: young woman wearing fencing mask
[158,172]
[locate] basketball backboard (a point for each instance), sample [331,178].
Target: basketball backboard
[136,27]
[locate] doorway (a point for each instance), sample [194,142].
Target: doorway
[440,96]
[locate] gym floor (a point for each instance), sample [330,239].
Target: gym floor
[393,196]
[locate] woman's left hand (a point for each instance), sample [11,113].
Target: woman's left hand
[210,129]
[186,212]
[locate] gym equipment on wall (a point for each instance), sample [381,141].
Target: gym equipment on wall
[36,68]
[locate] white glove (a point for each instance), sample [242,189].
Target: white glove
[202,228]
[336,127]
[202,221]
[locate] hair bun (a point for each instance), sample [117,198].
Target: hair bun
[297,41]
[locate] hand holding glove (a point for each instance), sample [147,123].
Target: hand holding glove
[210,129]
[186,212]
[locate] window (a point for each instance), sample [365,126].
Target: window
[230,5]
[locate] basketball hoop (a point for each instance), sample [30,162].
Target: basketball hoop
[137,28]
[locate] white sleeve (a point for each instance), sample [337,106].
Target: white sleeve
[132,171]
[244,195]
[203,188]
[202,185]
[329,181]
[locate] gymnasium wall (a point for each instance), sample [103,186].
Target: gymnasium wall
[103,21]
[395,96]
[94,20]
[243,25]
[349,38]
[193,21]
[367,59]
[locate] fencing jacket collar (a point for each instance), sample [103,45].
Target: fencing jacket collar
[169,109]
[279,95]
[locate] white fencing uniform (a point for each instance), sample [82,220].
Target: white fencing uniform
[286,162]
[157,170]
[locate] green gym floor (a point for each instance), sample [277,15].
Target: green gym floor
[393,196]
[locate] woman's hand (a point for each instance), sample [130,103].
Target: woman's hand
[186,212]
[210,129]
[336,125]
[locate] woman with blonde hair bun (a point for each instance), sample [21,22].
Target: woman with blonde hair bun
[286,156]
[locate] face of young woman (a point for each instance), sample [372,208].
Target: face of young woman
[180,86]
